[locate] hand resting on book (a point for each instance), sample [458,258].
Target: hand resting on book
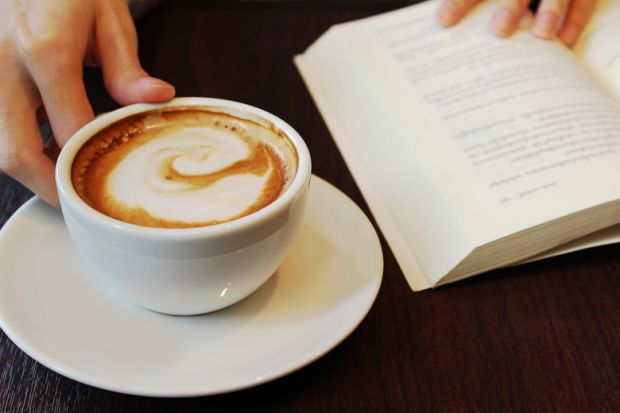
[564,18]
[499,150]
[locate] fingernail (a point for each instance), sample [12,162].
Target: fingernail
[545,24]
[155,82]
[447,14]
[503,22]
[569,34]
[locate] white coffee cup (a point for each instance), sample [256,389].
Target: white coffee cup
[188,270]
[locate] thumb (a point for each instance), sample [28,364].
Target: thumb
[125,79]
[131,84]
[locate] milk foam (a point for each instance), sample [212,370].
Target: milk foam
[184,167]
[140,180]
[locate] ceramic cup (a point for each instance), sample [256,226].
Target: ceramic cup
[189,270]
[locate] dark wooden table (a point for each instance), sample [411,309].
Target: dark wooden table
[539,337]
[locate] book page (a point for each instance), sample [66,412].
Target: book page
[481,137]
[599,45]
[358,128]
[517,123]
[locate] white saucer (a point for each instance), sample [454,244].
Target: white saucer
[61,317]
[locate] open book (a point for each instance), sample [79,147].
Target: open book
[474,152]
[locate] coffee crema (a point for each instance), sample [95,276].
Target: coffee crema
[180,167]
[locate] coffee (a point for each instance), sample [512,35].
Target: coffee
[179,167]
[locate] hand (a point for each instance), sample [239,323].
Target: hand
[43,47]
[564,18]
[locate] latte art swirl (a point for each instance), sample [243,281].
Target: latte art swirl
[182,169]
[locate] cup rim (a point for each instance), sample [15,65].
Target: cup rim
[69,196]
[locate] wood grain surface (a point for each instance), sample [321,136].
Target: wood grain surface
[539,337]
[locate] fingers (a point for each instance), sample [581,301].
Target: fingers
[66,104]
[564,18]
[21,150]
[56,69]
[31,167]
[548,17]
[452,11]
[506,18]
[576,20]
[125,79]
